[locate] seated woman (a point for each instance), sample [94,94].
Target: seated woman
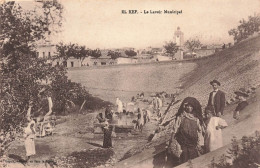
[108,113]
[100,118]
[188,129]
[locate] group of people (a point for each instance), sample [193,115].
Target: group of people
[108,115]
[107,128]
[138,96]
[197,133]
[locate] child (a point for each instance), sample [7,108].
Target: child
[213,135]
[241,105]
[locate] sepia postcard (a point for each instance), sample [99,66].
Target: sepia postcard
[130,83]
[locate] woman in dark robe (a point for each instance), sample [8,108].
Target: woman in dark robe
[107,143]
[188,129]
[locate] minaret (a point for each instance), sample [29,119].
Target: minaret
[179,37]
[179,40]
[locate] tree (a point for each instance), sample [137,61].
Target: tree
[82,53]
[130,53]
[192,44]
[114,54]
[22,73]
[171,48]
[64,51]
[95,53]
[245,28]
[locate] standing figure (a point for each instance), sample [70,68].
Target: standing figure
[241,105]
[148,115]
[159,103]
[145,115]
[188,129]
[217,99]
[29,135]
[107,143]
[139,123]
[155,105]
[213,136]
[119,105]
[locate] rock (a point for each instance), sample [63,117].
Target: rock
[98,130]
[242,89]
[228,102]
[232,99]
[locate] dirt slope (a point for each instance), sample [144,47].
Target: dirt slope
[236,67]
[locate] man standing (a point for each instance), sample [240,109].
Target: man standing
[217,98]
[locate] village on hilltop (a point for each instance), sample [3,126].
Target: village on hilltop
[47,50]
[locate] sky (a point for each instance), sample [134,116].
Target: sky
[101,24]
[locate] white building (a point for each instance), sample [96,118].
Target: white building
[70,63]
[47,51]
[162,58]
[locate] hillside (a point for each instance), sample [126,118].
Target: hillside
[236,67]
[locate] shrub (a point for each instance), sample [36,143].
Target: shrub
[245,156]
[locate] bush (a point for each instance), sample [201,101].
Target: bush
[245,156]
